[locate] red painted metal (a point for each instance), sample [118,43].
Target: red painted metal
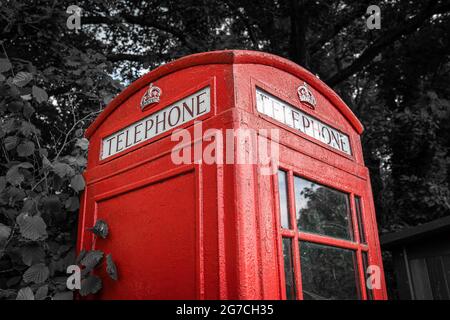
[198,231]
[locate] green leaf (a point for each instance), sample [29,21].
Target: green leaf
[63,169]
[72,204]
[91,285]
[25,165]
[46,163]
[111,268]
[28,110]
[41,293]
[5,65]
[13,281]
[77,183]
[25,294]
[37,273]
[100,228]
[25,149]
[82,143]
[39,94]
[22,78]
[80,257]
[32,255]
[66,295]
[2,184]
[52,204]
[15,194]
[31,227]
[14,176]
[5,231]
[7,294]
[11,142]
[26,97]
[27,129]
[79,133]
[92,258]
[15,106]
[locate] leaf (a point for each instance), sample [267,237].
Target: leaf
[5,231]
[5,65]
[27,129]
[22,78]
[25,294]
[82,143]
[28,110]
[52,204]
[63,169]
[79,133]
[80,257]
[66,295]
[25,149]
[13,281]
[25,165]
[15,194]
[72,204]
[37,273]
[32,255]
[111,268]
[15,106]
[39,94]
[77,183]
[14,176]
[91,285]
[11,142]
[41,293]
[92,258]
[2,183]
[46,163]
[100,229]
[31,227]
[7,294]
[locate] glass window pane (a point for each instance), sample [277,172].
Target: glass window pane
[322,210]
[365,259]
[362,235]
[288,269]
[282,191]
[328,272]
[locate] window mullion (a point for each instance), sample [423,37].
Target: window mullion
[295,245]
[362,277]
[356,230]
[356,234]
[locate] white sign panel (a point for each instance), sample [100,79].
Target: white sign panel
[172,116]
[277,109]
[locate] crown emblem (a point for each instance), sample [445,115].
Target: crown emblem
[305,95]
[151,96]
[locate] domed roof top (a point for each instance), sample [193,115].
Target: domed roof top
[229,57]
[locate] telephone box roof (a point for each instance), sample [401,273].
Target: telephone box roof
[229,57]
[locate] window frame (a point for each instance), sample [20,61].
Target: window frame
[297,236]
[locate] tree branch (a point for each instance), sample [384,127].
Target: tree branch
[384,41]
[333,30]
[147,21]
[114,57]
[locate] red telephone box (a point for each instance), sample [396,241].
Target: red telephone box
[198,229]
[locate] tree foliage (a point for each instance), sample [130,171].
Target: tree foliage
[54,81]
